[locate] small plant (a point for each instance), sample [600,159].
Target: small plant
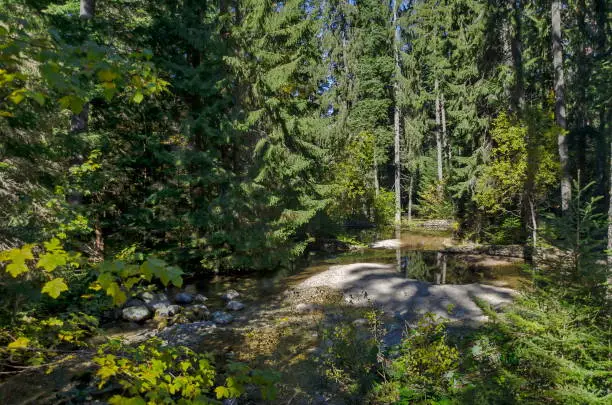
[153,373]
[424,367]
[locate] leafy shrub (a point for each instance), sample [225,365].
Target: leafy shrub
[509,231]
[541,350]
[434,204]
[384,207]
[424,368]
[351,358]
[153,373]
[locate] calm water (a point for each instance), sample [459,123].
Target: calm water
[419,257]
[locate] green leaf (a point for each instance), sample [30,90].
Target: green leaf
[115,291]
[55,287]
[119,400]
[171,274]
[18,258]
[17,96]
[138,97]
[107,75]
[222,392]
[38,97]
[52,260]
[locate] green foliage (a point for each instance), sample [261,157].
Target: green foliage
[425,365]
[352,355]
[153,373]
[580,268]
[541,349]
[41,341]
[433,203]
[22,260]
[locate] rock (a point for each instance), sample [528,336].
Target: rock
[189,334]
[196,312]
[387,244]
[234,306]
[230,295]
[155,301]
[222,318]
[136,314]
[133,302]
[167,311]
[360,322]
[303,308]
[183,298]
[200,299]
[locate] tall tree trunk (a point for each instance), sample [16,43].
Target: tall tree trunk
[376,183]
[410,188]
[438,137]
[87,9]
[445,144]
[560,115]
[396,119]
[610,214]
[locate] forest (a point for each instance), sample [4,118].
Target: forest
[159,159]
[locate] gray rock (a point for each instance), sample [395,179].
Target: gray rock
[221,317]
[360,322]
[196,312]
[183,298]
[136,314]
[200,299]
[230,295]
[234,306]
[155,301]
[133,302]
[303,308]
[167,311]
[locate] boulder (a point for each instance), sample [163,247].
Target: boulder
[234,306]
[155,301]
[199,298]
[183,298]
[167,311]
[230,295]
[133,302]
[196,312]
[136,314]
[222,318]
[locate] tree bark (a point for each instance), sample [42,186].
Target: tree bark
[560,114]
[438,137]
[445,144]
[410,186]
[610,214]
[396,119]
[87,9]
[376,183]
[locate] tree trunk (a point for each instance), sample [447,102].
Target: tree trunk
[376,183]
[445,143]
[396,119]
[410,185]
[610,214]
[88,9]
[512,54]
[560,115]
[438,138]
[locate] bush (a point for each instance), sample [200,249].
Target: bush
[153,373]
[424,367]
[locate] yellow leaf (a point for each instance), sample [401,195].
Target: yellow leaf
[20,343]
[55,287]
